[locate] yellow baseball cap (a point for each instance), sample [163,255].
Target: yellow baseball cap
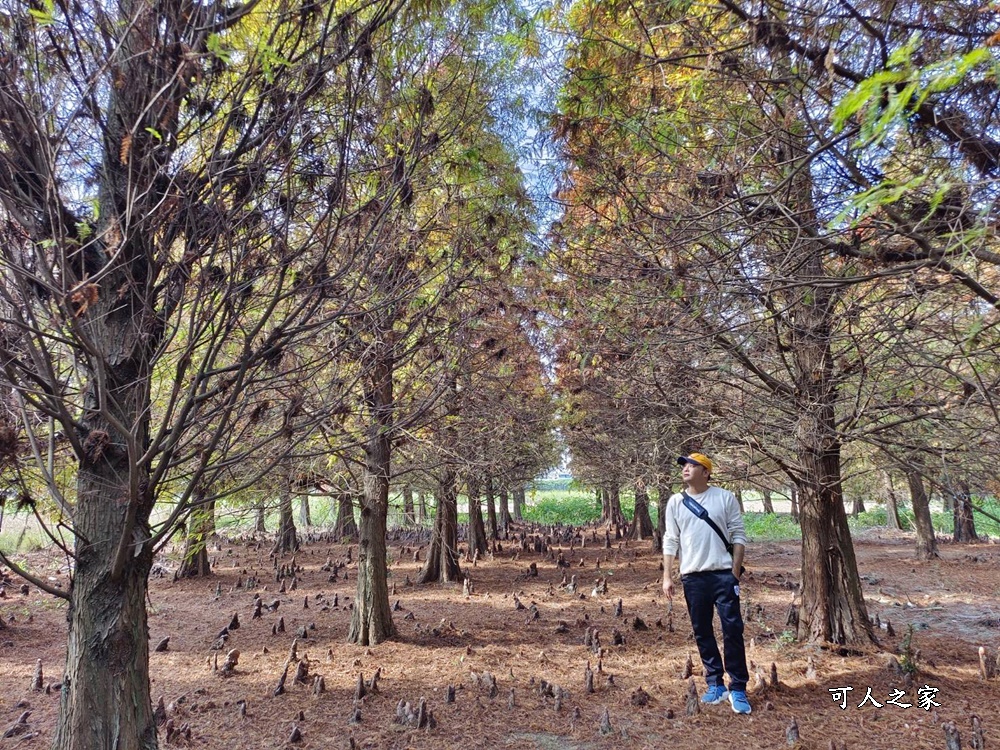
[697,458]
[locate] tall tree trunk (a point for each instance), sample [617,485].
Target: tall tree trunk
[421,508]
[518,497]
[492,533]
[793,497]
[305,513]
[765,496]
[965,523]
[613,502]
[442,557]
[105,695]
[287,540]
[477,531]
[857,506]
[346,527]
[832,608]
[371,618]
[926,538]
[505,520]
[662,497]
[260,512]
[409,518]
[891,502]
[200,527]
[604,495]
[642,525]
[739,498]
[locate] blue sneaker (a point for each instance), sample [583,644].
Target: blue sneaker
[738,700]
[716,694]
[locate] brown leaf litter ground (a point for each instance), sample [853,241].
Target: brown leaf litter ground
[447,639]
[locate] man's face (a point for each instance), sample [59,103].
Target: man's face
[690,471]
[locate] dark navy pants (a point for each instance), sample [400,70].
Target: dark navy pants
[706,592]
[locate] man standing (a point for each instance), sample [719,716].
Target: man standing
[710,573]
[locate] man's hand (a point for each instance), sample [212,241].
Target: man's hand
[668,583]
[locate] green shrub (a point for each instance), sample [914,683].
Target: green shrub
[771,527]
[561,507]
[877,516]
[944,522]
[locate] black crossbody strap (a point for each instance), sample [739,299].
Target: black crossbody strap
[699,510]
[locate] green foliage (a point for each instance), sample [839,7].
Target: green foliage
[22,534]
[215,45]
[562,507]
[550,485]
[908,660]
[771,527]
[877,516]
[944,522]
[46,15]
[881,100]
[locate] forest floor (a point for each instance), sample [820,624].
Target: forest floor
[445,638]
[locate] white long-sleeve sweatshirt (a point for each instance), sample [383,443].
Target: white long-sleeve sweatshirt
[694,541]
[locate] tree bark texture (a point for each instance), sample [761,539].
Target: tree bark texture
[105,699]
[287,540]
[965,523]
[346,527]
[409,519]
[200,527]
[662,497]
[442,557]
[477,530]
[926,538]
[305,514]
[492,532]
[765,498]
[857,506]
[505,519]
[421,507]
[371,619]
[642,524]
[518,503]
[833,607]
[891,502]
[612,506]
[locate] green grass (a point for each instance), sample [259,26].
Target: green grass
[554,485]
[23,536]
[944,523]
[550,506]
[572,506]
[771,527]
